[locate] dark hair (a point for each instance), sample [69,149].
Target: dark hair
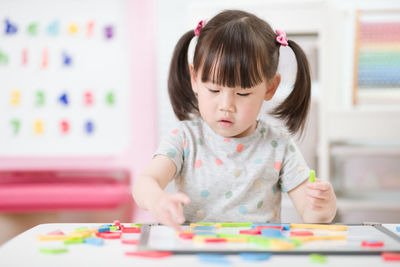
[236,48]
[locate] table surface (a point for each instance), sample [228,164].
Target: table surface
[23,250]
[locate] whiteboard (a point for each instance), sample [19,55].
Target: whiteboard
[65,78]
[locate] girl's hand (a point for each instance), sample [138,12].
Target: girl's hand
[320,196]
[168,210]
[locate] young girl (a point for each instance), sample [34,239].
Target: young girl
[227,165]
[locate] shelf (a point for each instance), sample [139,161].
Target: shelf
[378,96]
[364,124]
[365,150]
[368,204]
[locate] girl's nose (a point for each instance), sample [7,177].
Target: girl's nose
[227,102]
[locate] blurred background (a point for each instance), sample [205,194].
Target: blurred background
[84,102]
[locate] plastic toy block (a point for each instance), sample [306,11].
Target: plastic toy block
[56,232]
[372,243]
[131,230]
[272,233]
[199,239]
[74,240]
[260,227]
[52,237]
[243,224]
[53,250]
[186,235]
[130,241]
[281,245]
[250,232]
[149,254]
[81,229]
[94,241]
[237,239]
[259,240]
[331,227]
[285,226]
[208,223]
[216,225]
[109,235]
[390,256]
[317,258]
[204,228]
[255,256]
[301,233]
[295,241]
[213,258]
[185,231]
[312,176]
[103,229]
[215,240]
[82,234]
[208,239]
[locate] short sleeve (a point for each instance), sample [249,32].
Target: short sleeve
[294,168]
[171,146]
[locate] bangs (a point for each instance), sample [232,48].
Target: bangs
[233,57]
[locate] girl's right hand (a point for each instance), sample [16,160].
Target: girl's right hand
[168,210]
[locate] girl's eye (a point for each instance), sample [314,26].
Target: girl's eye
[213,91]
[244,94]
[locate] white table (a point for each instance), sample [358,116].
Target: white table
[23,250]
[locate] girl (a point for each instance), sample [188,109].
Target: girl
[227,165]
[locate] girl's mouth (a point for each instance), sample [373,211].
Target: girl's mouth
[225,123]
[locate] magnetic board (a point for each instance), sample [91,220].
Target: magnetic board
[65,78]
[163,238]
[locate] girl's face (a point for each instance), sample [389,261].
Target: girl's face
[232,112]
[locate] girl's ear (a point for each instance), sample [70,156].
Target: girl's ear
[193,79]
[272,86]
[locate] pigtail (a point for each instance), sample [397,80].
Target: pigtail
[294,109]
[180,91]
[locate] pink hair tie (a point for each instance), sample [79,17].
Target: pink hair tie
[199,27]
[281,38]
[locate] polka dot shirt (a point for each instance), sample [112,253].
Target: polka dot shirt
[233,179]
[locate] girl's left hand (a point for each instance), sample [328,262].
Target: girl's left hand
[320,195]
